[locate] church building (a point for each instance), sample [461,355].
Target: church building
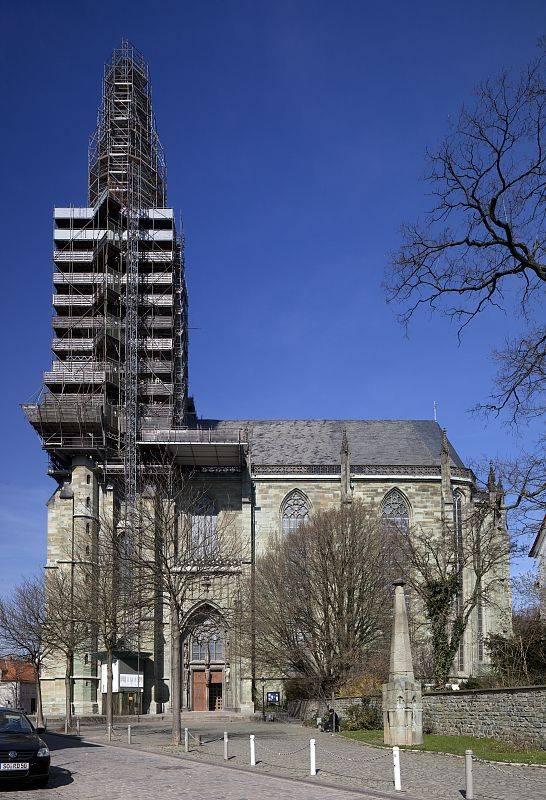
[117,392]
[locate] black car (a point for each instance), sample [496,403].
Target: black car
[23,755]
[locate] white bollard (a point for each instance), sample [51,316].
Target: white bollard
[312,758]
[396,765]
[128,734]
[186,740]
[469,793]
[226,745]
[65,725]
[252,751]
[78,726]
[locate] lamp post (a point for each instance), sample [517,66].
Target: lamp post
[263,697]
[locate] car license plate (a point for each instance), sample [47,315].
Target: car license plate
[14,766]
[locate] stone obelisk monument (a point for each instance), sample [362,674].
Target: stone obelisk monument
[402,701]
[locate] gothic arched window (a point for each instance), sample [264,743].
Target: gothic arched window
[206,635]
[207,645]
[458,522]
[204,534]
[459,557]
[395,510]
[294,511]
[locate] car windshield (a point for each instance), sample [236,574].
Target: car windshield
[14,723]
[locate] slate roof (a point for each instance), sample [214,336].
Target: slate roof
[318,441]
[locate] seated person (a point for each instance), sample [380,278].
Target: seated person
[331,723]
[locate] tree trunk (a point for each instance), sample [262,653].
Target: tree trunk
[68,690]
[109,688]
[39,707]
[445,644]
[175,677]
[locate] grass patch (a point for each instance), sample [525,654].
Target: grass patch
[490,749]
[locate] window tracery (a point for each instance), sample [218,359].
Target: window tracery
[207,646]
[395,510]
[207,636]
[295,511]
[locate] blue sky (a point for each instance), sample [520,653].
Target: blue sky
[295,135]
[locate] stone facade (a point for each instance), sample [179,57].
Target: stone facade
[253,497]
[73,513]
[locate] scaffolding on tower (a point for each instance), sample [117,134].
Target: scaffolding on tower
[127,161]
[120,325]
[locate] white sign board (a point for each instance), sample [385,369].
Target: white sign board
[131,680]
[121,680]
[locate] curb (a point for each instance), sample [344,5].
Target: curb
[453,755]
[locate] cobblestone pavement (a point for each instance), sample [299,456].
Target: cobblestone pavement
[81,771]
[283,749]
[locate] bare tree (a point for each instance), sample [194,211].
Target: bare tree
[522,481]
[67,625]
[484,241]
[22,629]
[324,598]
[180,553]
[454,572]
[520,658]
[487,226]
[109,602]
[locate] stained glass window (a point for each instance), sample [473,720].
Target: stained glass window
[395,510]
[295,510]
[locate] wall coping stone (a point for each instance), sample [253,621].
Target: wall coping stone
[436,693]
[498,690]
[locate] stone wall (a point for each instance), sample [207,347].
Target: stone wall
[309,709]
[516,715]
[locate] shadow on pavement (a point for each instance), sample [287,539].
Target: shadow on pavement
[57,777]
[60,741]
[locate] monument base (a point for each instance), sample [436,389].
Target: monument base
[402,712]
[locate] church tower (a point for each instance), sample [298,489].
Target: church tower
[120,304]
[119,342]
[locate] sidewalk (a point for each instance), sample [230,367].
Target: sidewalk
[283,749]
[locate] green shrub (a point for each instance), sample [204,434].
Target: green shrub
[474,683]
[362,717]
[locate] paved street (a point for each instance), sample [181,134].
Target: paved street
[281,749]
[88,772]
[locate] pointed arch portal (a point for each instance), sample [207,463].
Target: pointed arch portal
[205,660]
